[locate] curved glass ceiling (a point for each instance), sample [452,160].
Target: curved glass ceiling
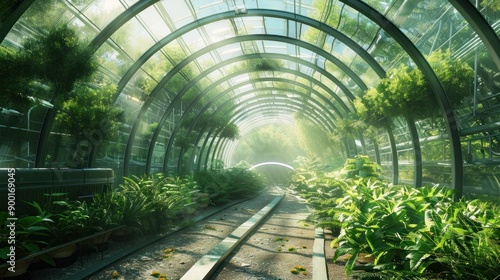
[258,61]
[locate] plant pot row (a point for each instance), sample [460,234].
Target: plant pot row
[61,255]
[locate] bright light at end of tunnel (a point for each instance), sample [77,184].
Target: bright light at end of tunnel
[272,163]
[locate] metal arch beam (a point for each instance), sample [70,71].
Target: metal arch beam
[302,75]
[160,85]
[278,98]
[272,163]
[260,100]
[213,140]
[178,97]
[212,130]
[186,88]
[249,124]
[221,141]
[481,27]
[119,21]
[313,48]
[435,84]
[201,152]
[209,104]
[321,107]
[319,119]
[227,15]
[255,37]
[205,143]
[7,25]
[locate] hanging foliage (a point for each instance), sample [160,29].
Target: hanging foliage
[405,92]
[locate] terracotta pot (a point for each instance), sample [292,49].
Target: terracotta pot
[63,252]
[123,234]
[101,238]
[365,258]
[20,269]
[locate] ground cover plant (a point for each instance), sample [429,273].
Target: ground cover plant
[224,185]
[141,204]
[411,233]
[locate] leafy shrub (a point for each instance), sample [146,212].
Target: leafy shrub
[412,233]
[418,231]
[228,184]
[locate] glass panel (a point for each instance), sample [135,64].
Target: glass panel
[490,9]
[193,40]
[205,8]
[219,31]
[179,12]
[102,12]
[132,49]
[275,26]
[156,23]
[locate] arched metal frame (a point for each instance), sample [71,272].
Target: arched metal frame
[279,99]
[245,128]
[14,17]
[236,114]
[371,62]
[465,8]
[299,18]
[208,105]
[435,84]
[158,89]
[201,152]
[230,15]
[179,66]
[324,110]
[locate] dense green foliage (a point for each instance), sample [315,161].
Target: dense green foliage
[406,93]
[94,115]
[315,141]
[141,205]
[416,233]
[228,184]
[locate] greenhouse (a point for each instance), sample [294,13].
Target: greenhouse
[373,125]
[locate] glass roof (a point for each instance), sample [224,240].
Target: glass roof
[262,60]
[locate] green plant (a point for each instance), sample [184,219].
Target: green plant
[72,219]
[70,222]
[415,230]
[412,233]
[404,91]
[131,208]
[30,236]
[361,166]
[227,184]
[101,213]
[150,199]
[98,118]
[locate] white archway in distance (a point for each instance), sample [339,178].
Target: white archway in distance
[272,163]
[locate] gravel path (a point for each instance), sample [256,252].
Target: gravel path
[277,246]
[175,254]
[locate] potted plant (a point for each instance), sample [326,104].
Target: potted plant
[68,223]
[102,217]
[128,208]
[30,236]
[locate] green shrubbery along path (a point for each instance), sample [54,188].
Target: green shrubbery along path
[417,233]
